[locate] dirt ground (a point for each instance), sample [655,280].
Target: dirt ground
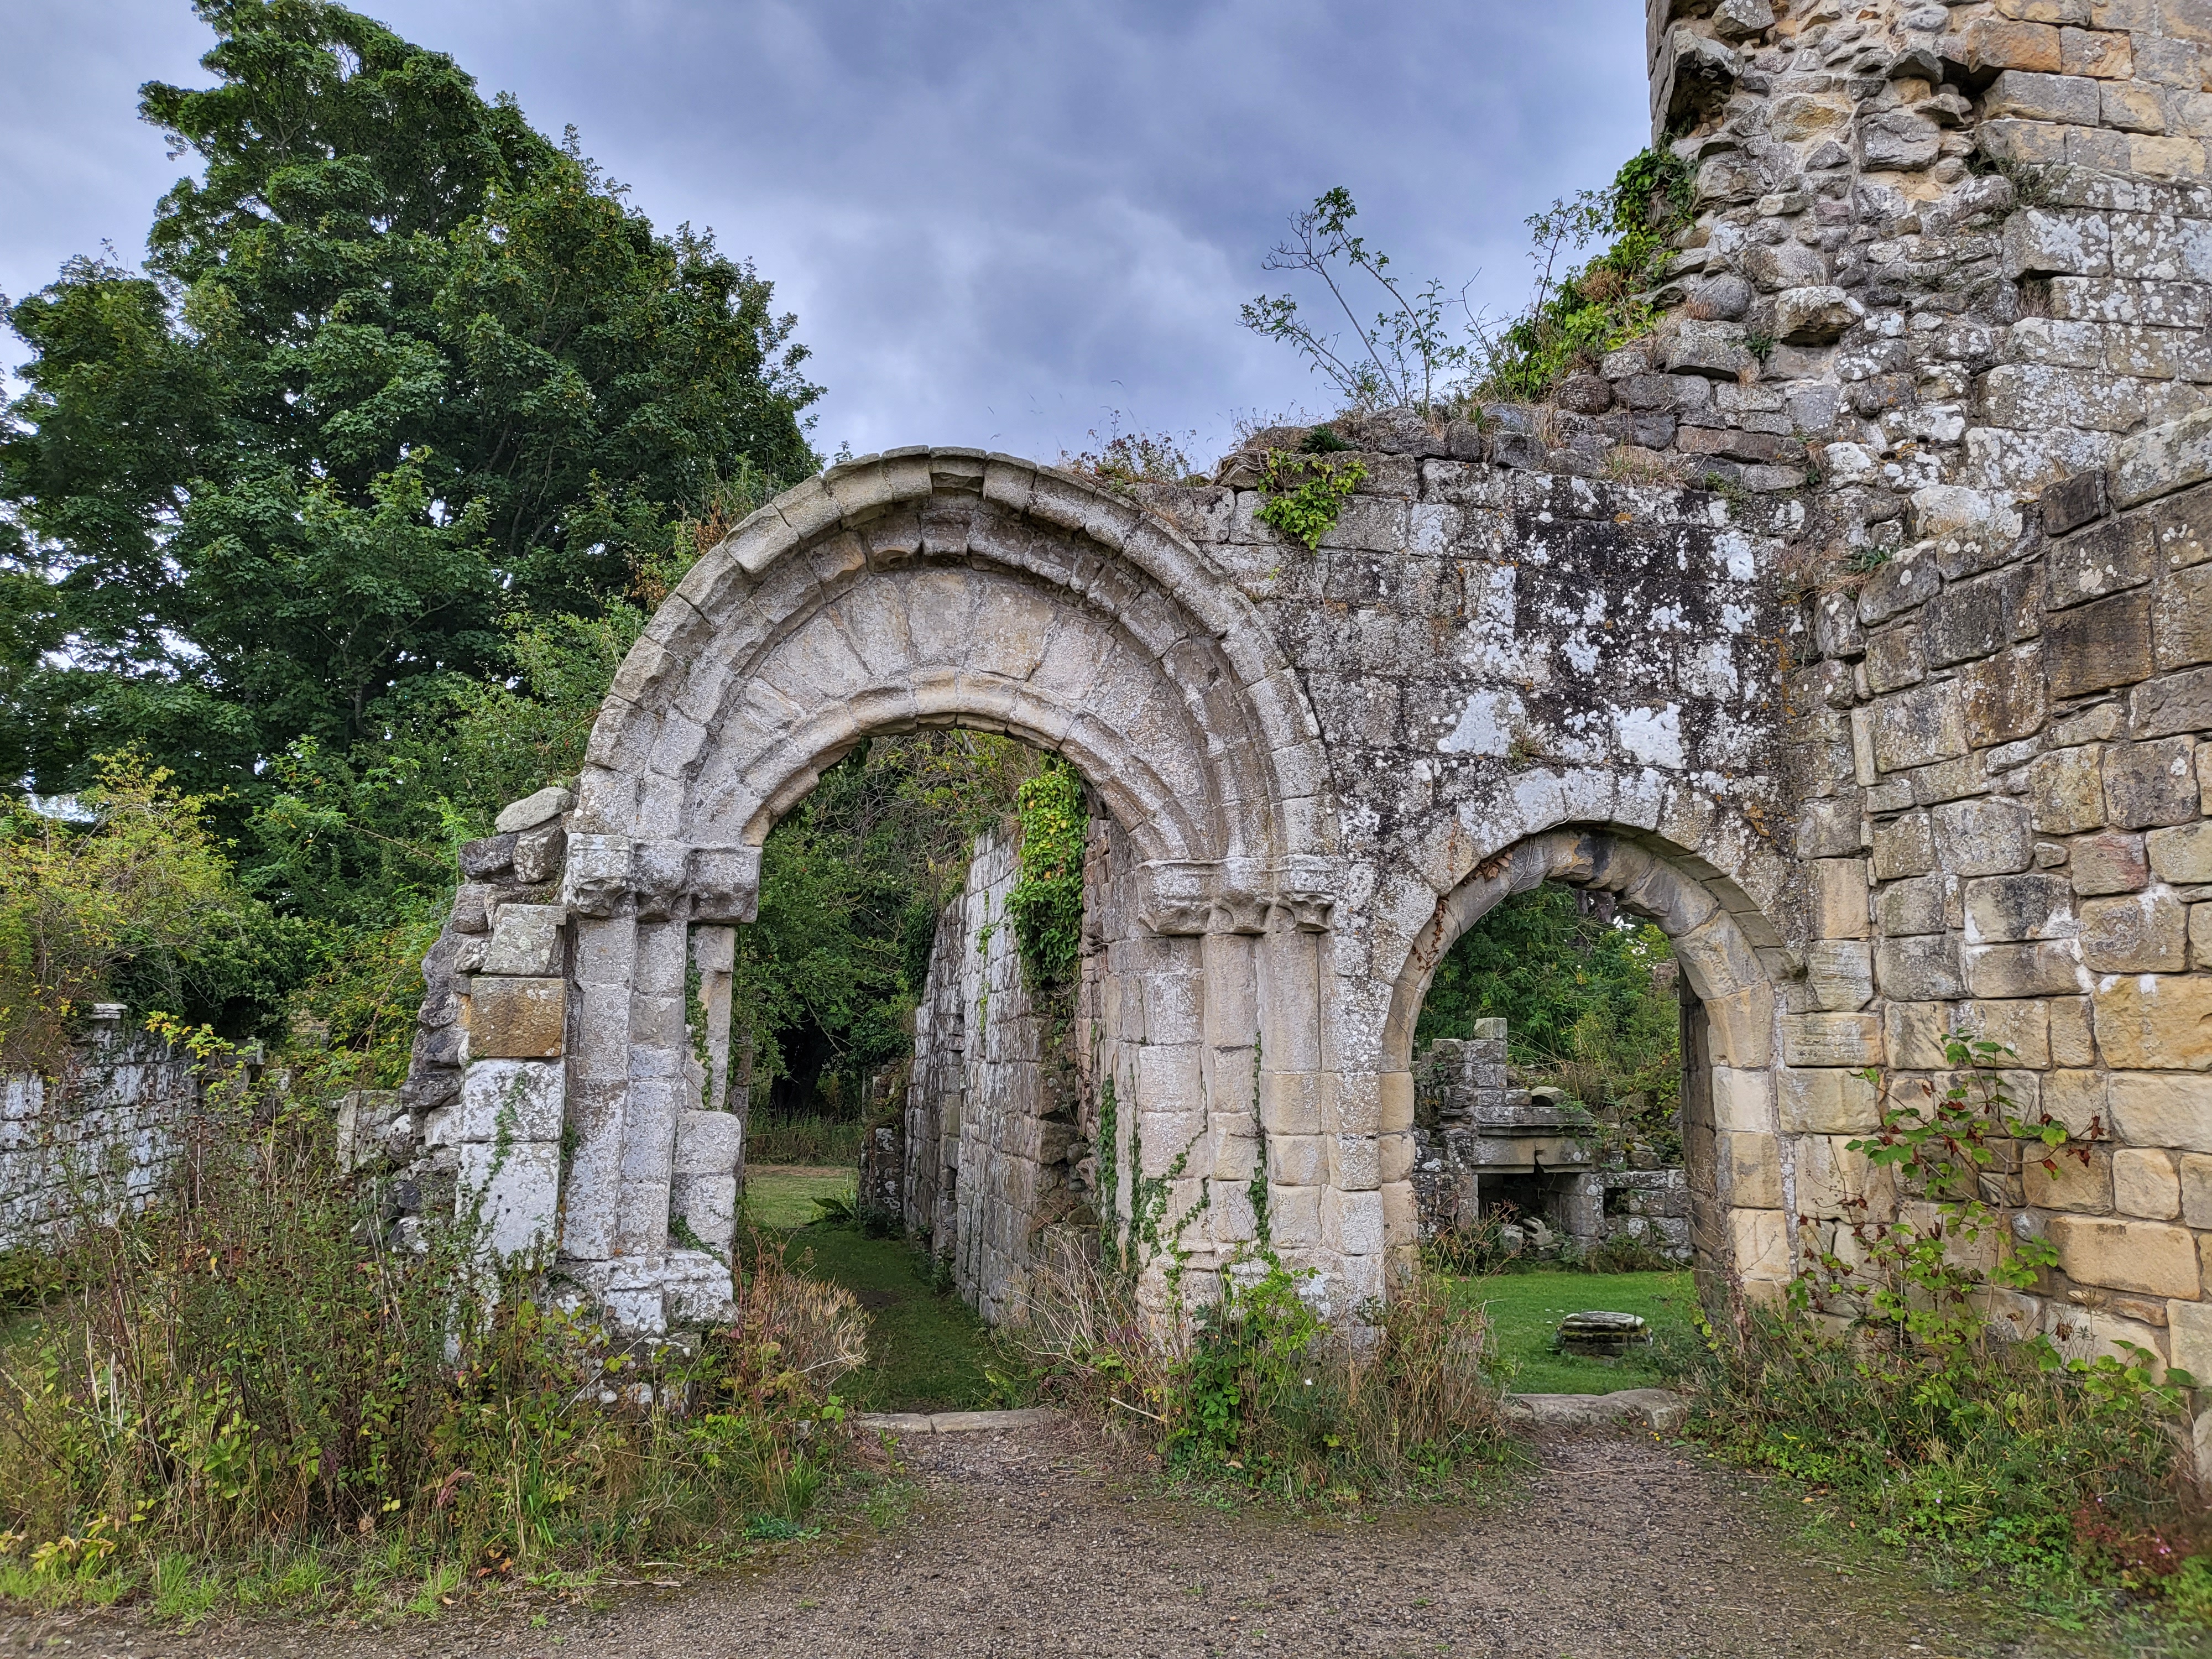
[1031,1543]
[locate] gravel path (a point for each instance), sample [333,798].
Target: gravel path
[1029,1544]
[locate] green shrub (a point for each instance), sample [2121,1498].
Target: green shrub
[1264,1394]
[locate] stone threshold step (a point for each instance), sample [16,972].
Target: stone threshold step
[1035,1417]
[1655,1408]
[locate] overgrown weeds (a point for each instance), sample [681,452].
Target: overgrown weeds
[248,1395]
[1261,1392]
[1893,1377]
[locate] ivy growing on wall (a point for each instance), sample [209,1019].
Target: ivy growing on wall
[1046,905]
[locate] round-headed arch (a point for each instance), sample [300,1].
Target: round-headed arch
[948,586]
[1650,880]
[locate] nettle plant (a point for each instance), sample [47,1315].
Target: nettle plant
[1928,1272]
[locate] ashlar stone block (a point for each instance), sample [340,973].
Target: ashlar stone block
[2066,790]
[2146,1183]
[2171,1109]
[1990,836]
[517,1018]
[2113,862]
[2154,1258]
[2136,934]
[2105,643]
[2150,784]
[2156,1022]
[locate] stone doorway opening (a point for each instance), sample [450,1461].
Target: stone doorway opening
[906,1003]
[1547,1077]
[1715,1195]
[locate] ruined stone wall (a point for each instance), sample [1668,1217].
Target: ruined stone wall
[1847,625]
[104,1137]
[994,1122]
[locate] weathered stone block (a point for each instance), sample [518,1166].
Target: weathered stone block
[2072,503]
[509,1100]
[517,1018]
[1917,729]
[1990,836]
[2156,1023]
[2021,906]
[2066,790]
[514,1191]
[2171,704]
[2112,862]
[1840,973]
[2140,933]
[1853,1040]
[1913,1034]
[2003,697]
[1838,898]
[1822,313]
[2112,558]
[2173,1109]
[1893,659]
[2105,643]
[2196,1193]
[2034,968]
[708,1143]
[1913,906]
[1752,1176]
[2182,618]
[2165,459]
[525,941]
[1920,968]
[2153,1257]
[1714,349]
[1903,846]
[2146,1183]
[532,811]
[2020,1029]
[2150,784]
[2079,1183]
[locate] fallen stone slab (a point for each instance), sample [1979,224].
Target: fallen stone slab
[1655,1408]
[1033,1417]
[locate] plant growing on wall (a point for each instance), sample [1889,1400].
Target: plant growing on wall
[1046,905]
[1302,496]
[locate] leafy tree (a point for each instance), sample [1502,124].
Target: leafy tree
[396,365]
[130,897]
[1577,990]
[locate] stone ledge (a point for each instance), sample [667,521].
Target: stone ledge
[1654,1408]
[1035,1417]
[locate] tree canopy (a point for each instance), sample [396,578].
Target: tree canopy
[396,366]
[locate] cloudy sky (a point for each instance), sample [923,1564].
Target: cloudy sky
[998,224]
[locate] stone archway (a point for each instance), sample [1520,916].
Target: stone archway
[934,588]
[1735,1158]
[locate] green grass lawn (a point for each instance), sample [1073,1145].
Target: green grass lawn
[926,1350]
[783,1195]
[1526,1308]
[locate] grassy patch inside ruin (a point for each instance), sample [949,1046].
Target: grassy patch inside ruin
[1526,1308]
[783,1195]
[926,1349]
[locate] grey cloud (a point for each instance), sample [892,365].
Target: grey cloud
[995,222]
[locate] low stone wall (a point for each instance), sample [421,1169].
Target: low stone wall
[104,1136]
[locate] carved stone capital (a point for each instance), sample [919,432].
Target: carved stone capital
[657,880]
[1184,898]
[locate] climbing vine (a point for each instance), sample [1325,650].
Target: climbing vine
[1046,905]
